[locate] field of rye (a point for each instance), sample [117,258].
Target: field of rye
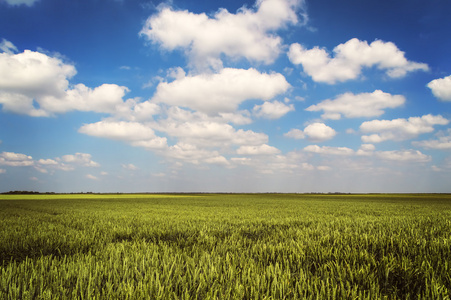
[225,246]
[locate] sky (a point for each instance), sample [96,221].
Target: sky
[225,96]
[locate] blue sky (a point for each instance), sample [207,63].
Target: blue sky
[226,96]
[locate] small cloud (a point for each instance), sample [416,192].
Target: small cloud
[8,47]
[103,173]
[125,68]
[92,177]
[2,171]
[441,88]
[20,2]
[316,132]
[34,179]
[130,167]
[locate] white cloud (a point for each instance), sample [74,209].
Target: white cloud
[400,129]
[441,88]
[221,92]
[351,105]
[295,134]
[192,154]
[442,143]
[20,2]
[130,167]
[122,131]
[247,34]
[403,156]
[15,159]
[326,150]
[91,177]
[82,159]
[350,58]
[211,134]
[35,84]
[263,149]
[8,47]
[272,110]
[316,132]
[319,132]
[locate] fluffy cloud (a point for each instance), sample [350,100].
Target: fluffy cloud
[211,134]
[342,151]
[257,150]
[123,131]
[400,129]
[194,155]
[350,58]
[272,110]
[135,133]
[316,132]
[220,92]
[247,34]
[15,159]
[65,163]
[350,105]
[442,143]
[36,84]
[441,88]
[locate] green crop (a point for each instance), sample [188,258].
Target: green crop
[225,246]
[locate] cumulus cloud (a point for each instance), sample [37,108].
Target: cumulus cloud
[263,149]
[316,132]
[352,105]
[211,134]
[192,154]
[118,130]
[247,34]
[221,92]
[349,59]
[272,110]
[400,129]
[443,142]
[13,159]
[342,151]
[403,156]
[64,163]
[35,84]
[441,88]
[82,159]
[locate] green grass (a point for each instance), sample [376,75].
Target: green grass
[219,246]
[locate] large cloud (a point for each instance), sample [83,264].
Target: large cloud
[441,88]
[248,33]
[36,84]
[350,58]
[400,129]
[220,92]
[352,105]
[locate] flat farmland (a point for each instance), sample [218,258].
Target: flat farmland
[225,246]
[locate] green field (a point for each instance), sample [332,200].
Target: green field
[225,246]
